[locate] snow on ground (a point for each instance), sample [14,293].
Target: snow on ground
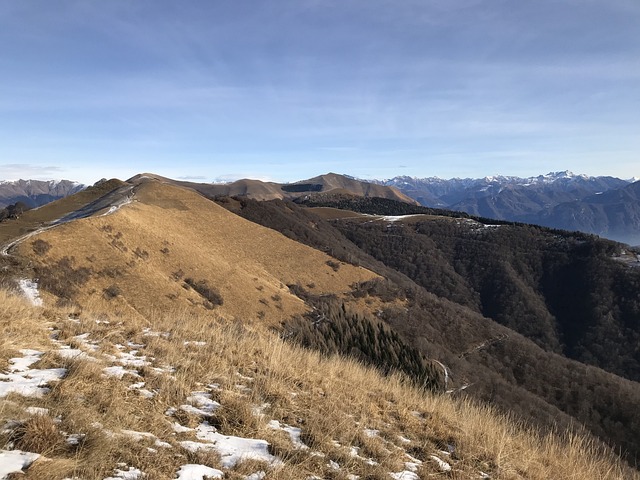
[256,476]
[21,378]
[30,382]
[15,461]
[118,371]
[405,475]
[29,289]
[37,411]
[74,353]
[114,208]
[142,391]
[294,433]
[442,465]
[369,432]
[200,403]
[398,218]
[196,343]
[130,474]
[198,472]
[231,449]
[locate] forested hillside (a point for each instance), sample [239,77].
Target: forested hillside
[467,294]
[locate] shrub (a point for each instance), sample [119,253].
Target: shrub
[40,247]
[112,292]
[208,293]
[334,265]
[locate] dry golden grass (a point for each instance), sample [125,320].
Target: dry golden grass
[138,259]
[336,403]
[20,324]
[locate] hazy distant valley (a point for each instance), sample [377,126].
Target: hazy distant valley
[232,315]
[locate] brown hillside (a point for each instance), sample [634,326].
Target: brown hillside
[42,216]
[171,249]
[330,183]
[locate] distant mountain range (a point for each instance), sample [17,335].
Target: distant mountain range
[605,206]
[35,193]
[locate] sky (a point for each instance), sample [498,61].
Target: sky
[216,90]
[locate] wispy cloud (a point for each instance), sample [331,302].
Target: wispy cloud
[16,171]
[192,177]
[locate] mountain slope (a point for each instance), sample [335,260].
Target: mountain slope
[613,214]
[491,270]
[35,192]
[198,396]
[186,250]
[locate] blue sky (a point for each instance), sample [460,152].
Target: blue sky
[286,90]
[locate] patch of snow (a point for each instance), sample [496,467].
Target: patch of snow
[198,472]
[15,461]
[180,428]
[146,393]
[294,433]
[74,353]
[442,465]
[147,332]
[231,449]
[131,474]
[195,343]
[137,436]
[369,432]
[412,466]
[256,476]
[37,411]
[405,475]
[84,340]
[200,404]
[167,369]
[30,290]
[114,208]
[10,426]
[397,218]
[75,438]
[142,391]
[20,364]
[131,360]
[27,381]
[118,372]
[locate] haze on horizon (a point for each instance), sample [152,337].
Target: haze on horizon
[288,90]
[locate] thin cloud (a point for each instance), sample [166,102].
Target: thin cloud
[193,177]
[16,171]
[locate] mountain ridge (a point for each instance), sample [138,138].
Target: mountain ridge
[35,193]
[555,199]
[330,183]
